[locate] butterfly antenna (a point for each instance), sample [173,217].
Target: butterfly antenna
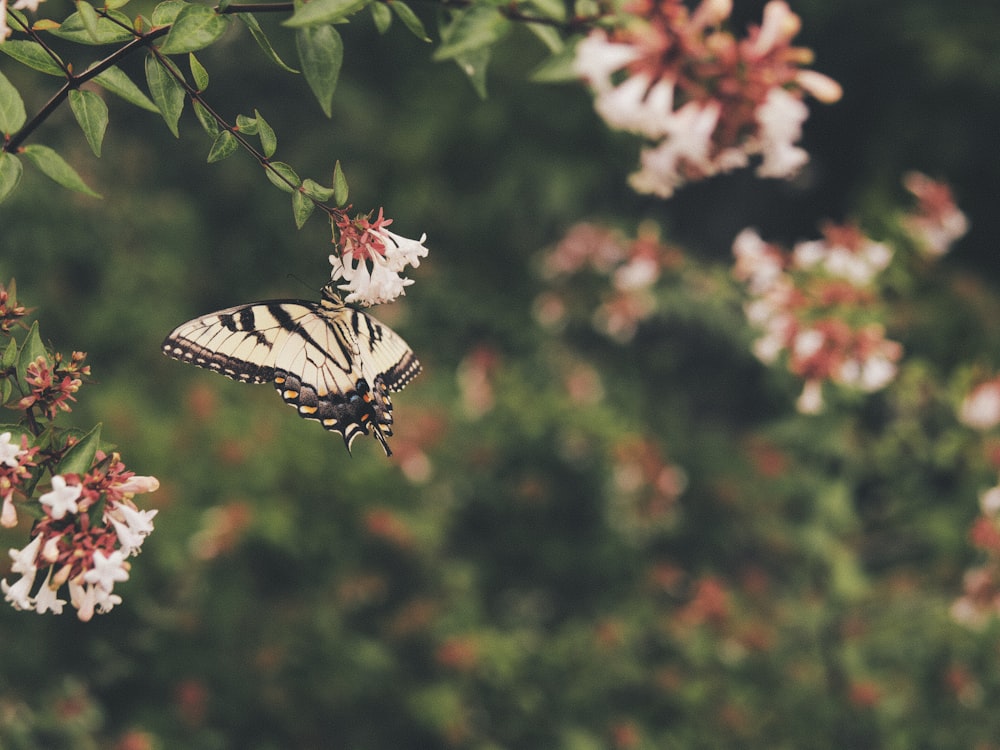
[302,281]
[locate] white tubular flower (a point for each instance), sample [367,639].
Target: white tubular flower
[811,400]
[597,58]
[821,87]
[83,598]
[980,409]
[989,501]
[105,600]
[9,452]
[780,118]
[688,144]
[371,260]
[46,599]
[19,593]
[780,25]
[8,513]
[136,484]
[807,343]
[23,560]
[638,106]
[62,498]
[639,273]
[132,527]
[107,570]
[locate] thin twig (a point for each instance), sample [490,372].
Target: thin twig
[74,82]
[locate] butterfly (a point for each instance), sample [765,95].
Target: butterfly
[335,364]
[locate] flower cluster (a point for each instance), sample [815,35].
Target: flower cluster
[937,221]
[90,529]
[370,259]
[644,490]
[817,308]
[86,525]
[633,265]
[980,409]
[980,600]
[52,387]
[706,100]
[10,311]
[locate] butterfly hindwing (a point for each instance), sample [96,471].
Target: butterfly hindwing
[334,364]
[387,355]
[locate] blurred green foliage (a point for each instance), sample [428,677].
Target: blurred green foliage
[493,586]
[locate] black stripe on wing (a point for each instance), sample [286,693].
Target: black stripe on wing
[384,352]
[242,342]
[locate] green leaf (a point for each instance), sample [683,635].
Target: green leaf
[89,18]
[91,113]
[20,19]
[474,64]
[55,168]
[262,41]
[340,191]
[553,9]
[246,125]
[31,349]
[302,207]
[10,173]
[470,30]
[105,31]
[381,15]
[410,20]
[166,92]
[33,55]
[321,51]
[549,36]
[115,4]
[557,69]
[119,84]
[195,27]
[166,13]
[268,140]
[224,145]
[317,12]
[282,176]
[79,458]
[316,191]
[9,359]
[198,73]
[208,122]
[12,114]
[9,354]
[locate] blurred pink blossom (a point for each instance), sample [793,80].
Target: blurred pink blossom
[706,101]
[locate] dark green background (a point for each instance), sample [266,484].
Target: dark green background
[291,636]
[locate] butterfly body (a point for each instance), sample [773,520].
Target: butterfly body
[335,364]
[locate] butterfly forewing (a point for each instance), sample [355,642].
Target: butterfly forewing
[334,364]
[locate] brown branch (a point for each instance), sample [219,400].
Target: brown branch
[512,12]
[74,82]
